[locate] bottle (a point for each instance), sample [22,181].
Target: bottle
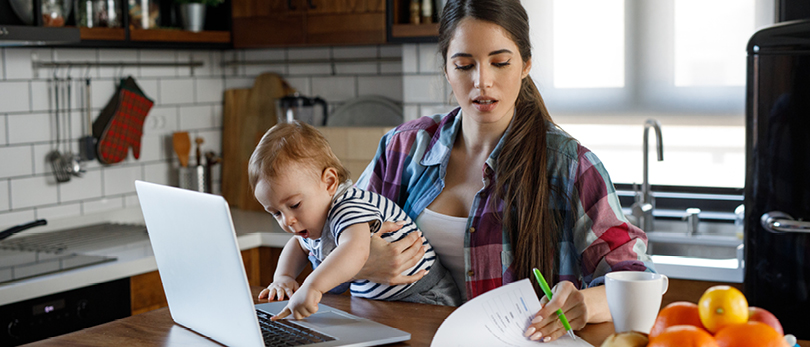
[427,11]
[415,12]
[52,13]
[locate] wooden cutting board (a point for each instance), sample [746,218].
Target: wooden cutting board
[248,113]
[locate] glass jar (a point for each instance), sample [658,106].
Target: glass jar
[144,14]
[98,13]
[53,14]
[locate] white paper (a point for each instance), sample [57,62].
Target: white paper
[498,317]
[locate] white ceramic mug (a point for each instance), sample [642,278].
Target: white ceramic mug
[634,298]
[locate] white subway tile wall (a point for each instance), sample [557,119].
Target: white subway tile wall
[3,137]
[4,198]
[185,100]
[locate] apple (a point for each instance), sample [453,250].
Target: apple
[758,314]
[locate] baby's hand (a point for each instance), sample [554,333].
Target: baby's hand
[302,304]
[277,289]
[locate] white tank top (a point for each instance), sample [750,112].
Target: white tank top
[446,235]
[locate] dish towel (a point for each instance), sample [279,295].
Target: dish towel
[120,124]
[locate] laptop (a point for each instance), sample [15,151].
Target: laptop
[201,267]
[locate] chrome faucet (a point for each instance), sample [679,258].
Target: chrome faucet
[645,203]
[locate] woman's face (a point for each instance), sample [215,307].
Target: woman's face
[485,70]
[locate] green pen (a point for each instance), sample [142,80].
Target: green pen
[544,286]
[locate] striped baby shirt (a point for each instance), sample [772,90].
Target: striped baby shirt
[351,206]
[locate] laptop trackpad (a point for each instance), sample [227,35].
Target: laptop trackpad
[328,320]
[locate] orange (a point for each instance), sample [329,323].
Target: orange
[683,336]
[751,334]
[676,313]
[720,306]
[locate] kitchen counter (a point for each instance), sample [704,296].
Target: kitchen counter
[253,229]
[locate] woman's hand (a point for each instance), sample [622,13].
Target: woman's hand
[302,304]
[281,286]
[546,325]
[387,261]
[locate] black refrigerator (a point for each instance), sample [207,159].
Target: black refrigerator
[777,182]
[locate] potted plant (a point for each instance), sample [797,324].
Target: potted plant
[193,13]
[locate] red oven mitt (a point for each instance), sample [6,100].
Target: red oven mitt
[120,124]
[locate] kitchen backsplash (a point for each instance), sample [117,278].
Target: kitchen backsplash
[184,100]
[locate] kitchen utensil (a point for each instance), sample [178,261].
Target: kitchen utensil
[58,166]
[120,124]
[182,146]
[73,161]
[248,113]
[302,108]
[199,141]
[87,144]
[15,229]
[211,159]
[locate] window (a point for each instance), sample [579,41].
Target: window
[618,62]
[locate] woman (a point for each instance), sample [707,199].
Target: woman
[496,186]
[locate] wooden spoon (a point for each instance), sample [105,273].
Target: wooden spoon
[182,146]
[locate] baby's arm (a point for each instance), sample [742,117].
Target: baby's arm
[340,266]
[292,260]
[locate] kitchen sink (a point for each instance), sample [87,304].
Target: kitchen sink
[713,241]
[715,252]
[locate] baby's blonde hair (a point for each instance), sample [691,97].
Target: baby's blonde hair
[287,143]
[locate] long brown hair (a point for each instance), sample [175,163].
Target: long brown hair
[521,176]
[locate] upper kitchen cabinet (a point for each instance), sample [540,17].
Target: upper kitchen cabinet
[263,23]
[413,21]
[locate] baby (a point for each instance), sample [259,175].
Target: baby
[299,180]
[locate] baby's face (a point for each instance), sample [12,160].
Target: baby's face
[299,199]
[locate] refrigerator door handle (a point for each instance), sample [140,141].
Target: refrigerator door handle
[780,222]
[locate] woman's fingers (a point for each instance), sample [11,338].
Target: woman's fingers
[402,279]
[388,227]
[547,325]
[412,252]
[264,294]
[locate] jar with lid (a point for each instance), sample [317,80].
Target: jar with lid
[98,13]
[144,14]
[53,13]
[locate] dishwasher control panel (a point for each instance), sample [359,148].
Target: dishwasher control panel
[56,314]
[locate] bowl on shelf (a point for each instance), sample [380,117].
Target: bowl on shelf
[24,9]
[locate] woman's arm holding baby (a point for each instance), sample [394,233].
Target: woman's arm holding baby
[340,266]
[291,262]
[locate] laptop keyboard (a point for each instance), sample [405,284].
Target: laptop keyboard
[284,332]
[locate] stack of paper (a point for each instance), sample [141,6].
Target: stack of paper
[496,318]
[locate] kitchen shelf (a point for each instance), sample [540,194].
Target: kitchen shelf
[176,35]
[399,28]
[103,34]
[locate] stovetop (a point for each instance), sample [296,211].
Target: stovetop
[34,255]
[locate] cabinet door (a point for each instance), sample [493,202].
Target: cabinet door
[265,23]
[264,8]
[345,22]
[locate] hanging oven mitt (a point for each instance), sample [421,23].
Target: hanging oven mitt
[120,124]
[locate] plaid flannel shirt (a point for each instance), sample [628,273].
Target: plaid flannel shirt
[410,166]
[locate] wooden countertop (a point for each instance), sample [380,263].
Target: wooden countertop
[156,328]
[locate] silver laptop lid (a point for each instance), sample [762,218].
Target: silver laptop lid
[200,265]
